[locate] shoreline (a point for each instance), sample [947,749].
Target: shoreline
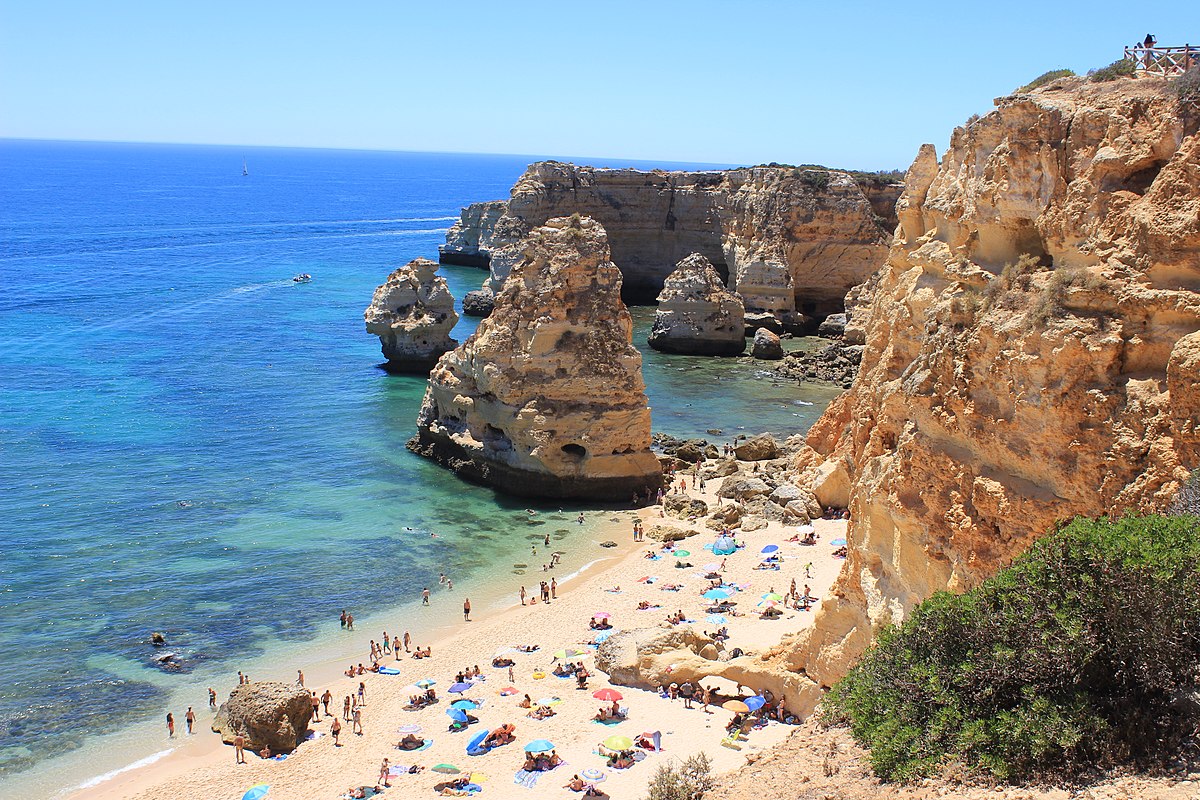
[203,763]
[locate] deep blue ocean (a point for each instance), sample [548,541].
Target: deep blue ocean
[192,443]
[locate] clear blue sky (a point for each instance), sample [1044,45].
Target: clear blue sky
[851,84]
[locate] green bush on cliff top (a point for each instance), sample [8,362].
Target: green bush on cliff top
[1044,78]
[1121,68]
[1075,656]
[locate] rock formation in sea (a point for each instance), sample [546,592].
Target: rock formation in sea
[696,314]
[546,399]
[792,240]
[1031,354]
[412,313]
[766,345]
[268,713]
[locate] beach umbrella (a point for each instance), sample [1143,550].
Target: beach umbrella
[618,743]
[711,566]
[465,705]
[736,706]
[806,529]
[715,619]
[718,594]
[410,728]
[426,683]
[445,769]
[592,774]
[771,548]
[478,740]
[772,596]
[838,542]
[682,553]
[755,703]
[459,688]
[539,746]
[571,652]
[768,604]
[608,695]
[456,714]
[549,701]
[602,615]
[256,792]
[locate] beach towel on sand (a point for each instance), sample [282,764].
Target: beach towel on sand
[526,778]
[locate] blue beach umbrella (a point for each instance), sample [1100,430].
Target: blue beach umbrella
[465,705]
[478,740]
[539,746]
[717,594]
[256,792]
[754,703]
[724,546]
[456,714]
[715,619]
[426,683]
[771,548]
[838,542]
[459,688]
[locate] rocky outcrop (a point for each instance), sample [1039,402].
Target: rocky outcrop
[793,241]
[1031,353]
[412,313]
[767,345]
[546,398]
[478,303]
[268,713]
[696,314]
[835,363]
[469,241]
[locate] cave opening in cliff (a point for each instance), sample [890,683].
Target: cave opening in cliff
[575,451]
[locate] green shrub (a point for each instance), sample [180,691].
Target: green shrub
[689,782]
[1187,86]
[1122,68]
[1044,78]
[816,179]
[1067,660]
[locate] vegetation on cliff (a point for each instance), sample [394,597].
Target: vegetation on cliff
[1077,655]
[1045,78]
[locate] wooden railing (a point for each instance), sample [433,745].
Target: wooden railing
[1166,61]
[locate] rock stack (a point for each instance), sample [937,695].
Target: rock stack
[696,314]
[412,313]
[546,399]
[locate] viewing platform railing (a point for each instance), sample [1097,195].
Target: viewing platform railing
[1165,61]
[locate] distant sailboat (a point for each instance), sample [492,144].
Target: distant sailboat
[244,170]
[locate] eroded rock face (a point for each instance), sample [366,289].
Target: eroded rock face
[412,313]
[992,402]
[794,241]
[268,713]
[696,314]
[546,398]
[469,241]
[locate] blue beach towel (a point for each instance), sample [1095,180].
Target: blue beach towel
[526,779]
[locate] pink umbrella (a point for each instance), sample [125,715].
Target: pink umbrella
[602,615]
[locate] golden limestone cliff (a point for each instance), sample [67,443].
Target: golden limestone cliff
[1032,353]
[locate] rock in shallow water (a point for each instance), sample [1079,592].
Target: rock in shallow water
[696,314]
[547,398]
[412,313]
[767,345]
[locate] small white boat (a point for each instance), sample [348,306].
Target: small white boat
[303,277]
[244,170]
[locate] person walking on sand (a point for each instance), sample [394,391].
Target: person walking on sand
[190,719]
[522,595]
[425,596]
[407,641]
[300,677]
[357,727]
[334,730]
[239,745]
[362,693]
[170,725]
[467,610]
[316,704]
[325,699]
[346,709]
[511,679]
[553,589]
[212,698]
[385,772]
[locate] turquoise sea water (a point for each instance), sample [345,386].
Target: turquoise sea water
[192,443]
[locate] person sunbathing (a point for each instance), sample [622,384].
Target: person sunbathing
[563,670]
[602,714]
[526,702]
[528,648]
[576,784]
[502,662]
[530,764]
[671,587]
[349,673]
[410,742]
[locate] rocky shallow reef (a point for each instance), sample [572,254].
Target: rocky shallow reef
[546,399]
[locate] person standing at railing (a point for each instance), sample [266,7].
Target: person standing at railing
[1147,46]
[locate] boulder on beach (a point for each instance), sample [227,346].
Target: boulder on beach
[268,713]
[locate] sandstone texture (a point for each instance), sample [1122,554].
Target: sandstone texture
[268,713]
[469,241]
[546,398]
[412,313]
[793,241]
[696,314]
[766,345]
[1031,354]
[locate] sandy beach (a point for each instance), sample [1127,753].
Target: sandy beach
[203,767]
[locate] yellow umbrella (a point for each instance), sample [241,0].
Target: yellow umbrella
[618,743]
[736,706]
